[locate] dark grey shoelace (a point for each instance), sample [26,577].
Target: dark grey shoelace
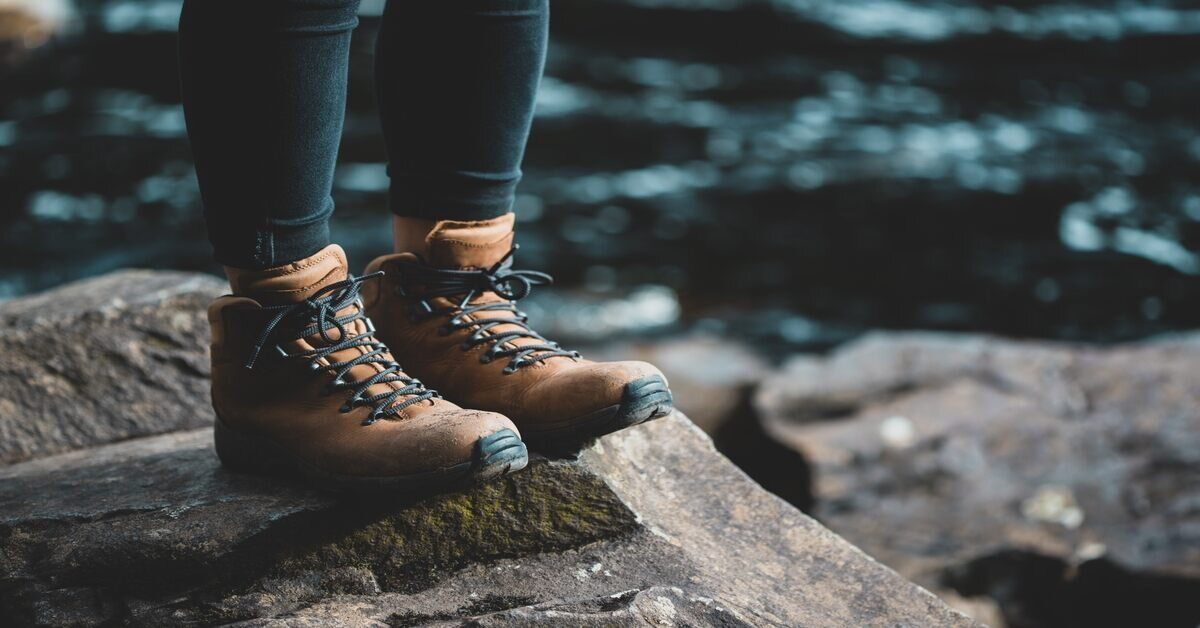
[318,315]
[465,285]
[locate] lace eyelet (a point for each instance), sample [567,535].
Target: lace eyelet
[510,369]
[485,358]
[346,407]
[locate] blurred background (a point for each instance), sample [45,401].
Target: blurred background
[715,184]
[790,172]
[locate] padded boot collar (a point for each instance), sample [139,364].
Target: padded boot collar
[469,244]
[290,283]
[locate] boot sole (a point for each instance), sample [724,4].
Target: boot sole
[495,454]
[642,400]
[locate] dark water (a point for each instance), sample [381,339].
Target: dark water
[791,172]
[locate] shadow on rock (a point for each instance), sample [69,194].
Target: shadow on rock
[775,466]
[1038,591]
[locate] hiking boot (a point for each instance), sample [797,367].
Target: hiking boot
[448,312]
[301,387]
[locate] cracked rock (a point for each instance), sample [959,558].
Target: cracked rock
[153,532]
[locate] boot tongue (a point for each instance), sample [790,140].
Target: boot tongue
[469,244]
[291,283]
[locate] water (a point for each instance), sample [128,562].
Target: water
[790,172]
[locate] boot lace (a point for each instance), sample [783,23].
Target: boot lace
[501,280]
[319,315]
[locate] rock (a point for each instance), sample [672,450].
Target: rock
[104,360]
[713,380]
[1061,480]
[650,526]
[153,532]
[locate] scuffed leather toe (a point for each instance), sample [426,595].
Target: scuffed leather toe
[586,388]
[451,435]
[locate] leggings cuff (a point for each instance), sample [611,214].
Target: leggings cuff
[457,196]
[269,245]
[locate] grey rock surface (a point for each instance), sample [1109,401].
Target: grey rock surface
[1047,476]
[647,524]
[650,526]
[713,380]
[103,360]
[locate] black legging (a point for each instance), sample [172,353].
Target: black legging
[264,93]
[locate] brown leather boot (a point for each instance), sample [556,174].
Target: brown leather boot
[301,387]
[448,312]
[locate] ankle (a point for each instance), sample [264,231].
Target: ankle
[291,282]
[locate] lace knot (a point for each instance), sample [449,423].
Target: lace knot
[513,285]
[318,315]
[498,331]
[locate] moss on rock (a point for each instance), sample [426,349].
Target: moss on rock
[550,506]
